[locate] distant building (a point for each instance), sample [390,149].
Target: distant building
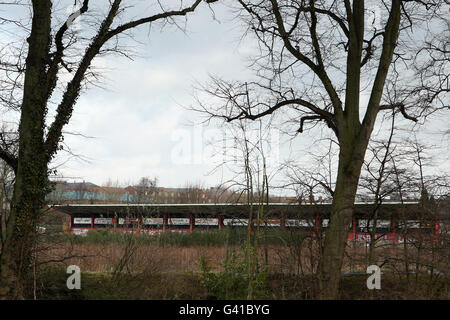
[87,192]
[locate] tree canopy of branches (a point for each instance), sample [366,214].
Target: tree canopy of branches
[316,62]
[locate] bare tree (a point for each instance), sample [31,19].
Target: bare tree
[316,59]
[373,180]
[404,174]
[145,189]
[193,192]
[248,160]
[53,49]
[6,181]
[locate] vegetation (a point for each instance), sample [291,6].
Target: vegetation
[99,286]
[182,266]
[232,237]
[232,281]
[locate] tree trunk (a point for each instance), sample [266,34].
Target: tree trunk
[30,188]
[31,180]
[340,220]
[16,257]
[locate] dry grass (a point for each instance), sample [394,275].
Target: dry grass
[155,272]
[103,258]
[296,260]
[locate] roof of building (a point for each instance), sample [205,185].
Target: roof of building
[409,209]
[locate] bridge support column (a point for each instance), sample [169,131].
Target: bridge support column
[220,222]
[164,222]
[191,222]
[394,228]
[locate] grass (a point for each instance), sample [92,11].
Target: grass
[168,266]
[230,236]
[103,286]
[168,286]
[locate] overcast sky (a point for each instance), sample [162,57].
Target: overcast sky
[136,125]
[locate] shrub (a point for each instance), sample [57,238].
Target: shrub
[232,281]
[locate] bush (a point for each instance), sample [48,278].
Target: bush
[232,281]
[226,236]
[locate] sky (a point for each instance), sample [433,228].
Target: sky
[137,124]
